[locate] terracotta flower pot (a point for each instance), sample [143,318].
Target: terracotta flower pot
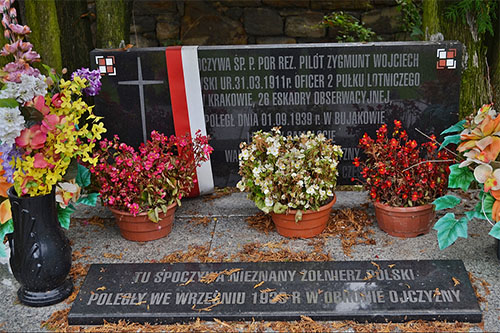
[140,229]
[405,222]
[312,224]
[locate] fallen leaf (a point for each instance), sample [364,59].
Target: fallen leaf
[456,281]
[258,285]
[101,288]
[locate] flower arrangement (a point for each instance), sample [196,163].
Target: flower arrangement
[158,174]
[288,173]
[45,127]
[399,172]
[478,140]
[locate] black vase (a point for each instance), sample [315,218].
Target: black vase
[40,254]
[498,249]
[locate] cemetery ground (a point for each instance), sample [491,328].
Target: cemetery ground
[226,226]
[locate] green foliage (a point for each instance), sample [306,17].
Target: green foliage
[460,177]
[495,231]
[349,27]
[458,127]
[411,20]
[484,12]
[64,215]
[8,103]
[449,229]
[445,202]
[450,139]
[83,176]
[6,228]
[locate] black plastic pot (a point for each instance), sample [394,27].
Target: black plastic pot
[40,254]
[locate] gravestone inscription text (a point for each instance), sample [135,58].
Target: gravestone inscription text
[340,90]
[374,291]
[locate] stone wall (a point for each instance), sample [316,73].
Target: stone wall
[232,22]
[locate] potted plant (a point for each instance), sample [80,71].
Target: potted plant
[143,187]
[478,140]
[403,178]
[45,130]
[292,178]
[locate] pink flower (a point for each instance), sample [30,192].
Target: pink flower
[49,123]
[56,100]
[40,162]
[32,137]
[39,103]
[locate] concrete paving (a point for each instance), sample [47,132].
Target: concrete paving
[227,232]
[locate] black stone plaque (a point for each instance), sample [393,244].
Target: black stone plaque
[341,90]
[135,95]
[378,291]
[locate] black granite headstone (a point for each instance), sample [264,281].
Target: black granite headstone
[341,90]
[378,291]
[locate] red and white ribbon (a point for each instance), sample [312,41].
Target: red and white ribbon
[187,104]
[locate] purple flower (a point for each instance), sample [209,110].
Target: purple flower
[93,79]
[9,153]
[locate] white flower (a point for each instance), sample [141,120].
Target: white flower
[244,155]
[241,185]
[273,150]
[300,183]
[322,193]
[256,171]
[29,87]
[66,192]
[269,202]
[329,193]
[310,190]
[11,124]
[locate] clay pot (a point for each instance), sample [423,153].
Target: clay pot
[405,222]
[140,228]
[40,254]
[312,224]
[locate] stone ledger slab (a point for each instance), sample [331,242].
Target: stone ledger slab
[349,290]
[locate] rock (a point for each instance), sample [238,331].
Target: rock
[139,40]
[383,21]
[142,24]
[262,22]
[275,40]
[287,3]
[341,4]
[203,25]
[241,3]
[303,26]
[154,7]
[234,13]
[168,27]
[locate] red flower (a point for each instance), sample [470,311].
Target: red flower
[396,168]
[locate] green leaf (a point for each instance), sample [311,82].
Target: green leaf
[298,216]
[487,201]
[447,201]
[6,228]
[450,139]
[279,208]
[71,171]
[64,215]
[83,176]
[460,177]
[153,215]
[474,214]
[495,231]
[449,229]
[8,103]
[89,199]
[458,127]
